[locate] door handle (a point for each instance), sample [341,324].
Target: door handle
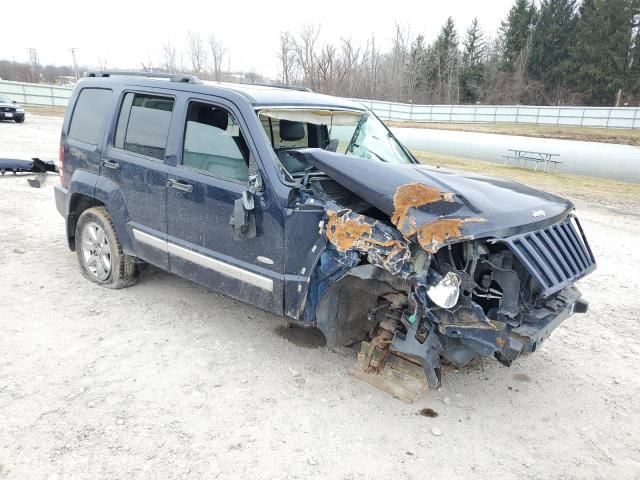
[182,186]
[110,164]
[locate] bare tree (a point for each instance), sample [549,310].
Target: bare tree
[374,67]
[348,65]
[395,68]
[254,77]
[304,49]
[103,60]
[326,69]
[218,52]
[196,51]
[21,71]
[519,79]
[287,59]
[169,57]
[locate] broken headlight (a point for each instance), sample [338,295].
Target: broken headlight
[445,291]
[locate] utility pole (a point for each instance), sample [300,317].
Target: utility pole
[35,65]
[75,62]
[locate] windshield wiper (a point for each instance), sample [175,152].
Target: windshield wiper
[352,142]
[377,156]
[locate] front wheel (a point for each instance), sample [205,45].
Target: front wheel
[19,120]
[99,251]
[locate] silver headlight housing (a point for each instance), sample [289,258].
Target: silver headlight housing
[446,291]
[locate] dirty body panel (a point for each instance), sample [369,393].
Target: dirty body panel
[366,244]
[435,264]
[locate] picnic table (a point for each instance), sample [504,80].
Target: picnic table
[526,156]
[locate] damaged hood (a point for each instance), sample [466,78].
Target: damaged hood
[440,206]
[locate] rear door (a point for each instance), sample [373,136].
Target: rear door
[83,140]
[210,175]
[135,161]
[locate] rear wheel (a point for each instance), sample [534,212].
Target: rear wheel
[99,251]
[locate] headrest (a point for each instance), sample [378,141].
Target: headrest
[214,117]
[291,131]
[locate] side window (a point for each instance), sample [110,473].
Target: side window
[286,133]
[143,124]
[213,142]
[90,115]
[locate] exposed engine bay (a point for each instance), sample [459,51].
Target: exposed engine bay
[433,266]
[430,291]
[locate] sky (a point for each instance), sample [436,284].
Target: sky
[126,33]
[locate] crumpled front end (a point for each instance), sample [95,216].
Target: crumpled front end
[423,282]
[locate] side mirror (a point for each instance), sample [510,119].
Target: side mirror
[243,220]
[13,101]
[248,202]
[255,183]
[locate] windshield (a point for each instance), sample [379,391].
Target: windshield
[370,140]
[356,133]
[4,98]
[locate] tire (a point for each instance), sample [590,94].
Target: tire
[100,253]
[19,120]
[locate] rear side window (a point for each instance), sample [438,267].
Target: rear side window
[90,115]
[143,124]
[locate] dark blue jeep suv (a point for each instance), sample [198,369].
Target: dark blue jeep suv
[307,206]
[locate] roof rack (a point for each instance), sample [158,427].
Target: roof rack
[173,77]
[280,85]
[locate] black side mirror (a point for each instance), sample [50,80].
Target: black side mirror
[13,101]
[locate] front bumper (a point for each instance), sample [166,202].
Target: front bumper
[562,306]
[507,343]
[11,115]
[472,334]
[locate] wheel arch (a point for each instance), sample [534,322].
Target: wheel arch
[87,190]
[78,203]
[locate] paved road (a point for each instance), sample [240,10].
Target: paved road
[619,162]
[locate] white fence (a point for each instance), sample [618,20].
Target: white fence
[605,117]
[39,94]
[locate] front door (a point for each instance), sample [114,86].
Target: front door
[135,161]
[210,175]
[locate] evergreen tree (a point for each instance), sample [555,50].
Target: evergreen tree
[515,32]
[603,57]
[447,59]
[551,42]
[472,77]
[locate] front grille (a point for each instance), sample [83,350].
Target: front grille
[556,256]
[7,109]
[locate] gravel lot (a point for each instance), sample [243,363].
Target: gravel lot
[168,381]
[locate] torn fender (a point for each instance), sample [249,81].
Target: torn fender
[383,245]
